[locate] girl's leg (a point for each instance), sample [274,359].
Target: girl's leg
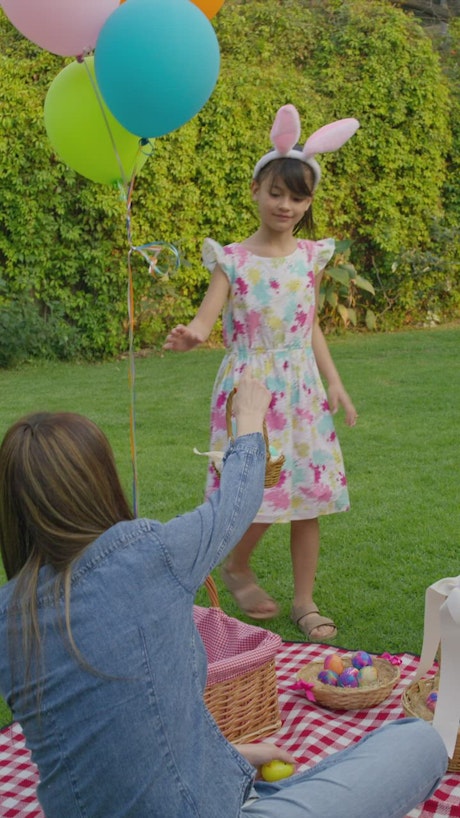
[241,582]
[304,555]
[385,775]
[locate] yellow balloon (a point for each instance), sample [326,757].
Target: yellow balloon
[83,132]
[209,7]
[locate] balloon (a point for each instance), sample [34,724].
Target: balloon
[210,7]
[66,27]
[157,62]
[81,128]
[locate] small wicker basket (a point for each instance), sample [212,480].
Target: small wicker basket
[414,704]
[246,707]
[274,464]
[352,698]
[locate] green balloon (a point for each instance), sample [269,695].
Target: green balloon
[83,132]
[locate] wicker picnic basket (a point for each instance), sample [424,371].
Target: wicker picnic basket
[414,705]
[351,698]
[274,464]
[241,689]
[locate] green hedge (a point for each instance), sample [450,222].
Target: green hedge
[63,239]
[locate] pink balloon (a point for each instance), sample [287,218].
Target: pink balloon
[65,27]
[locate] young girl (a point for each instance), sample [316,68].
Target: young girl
[268,286]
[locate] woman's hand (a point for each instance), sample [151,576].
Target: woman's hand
[250,404]
[258,754]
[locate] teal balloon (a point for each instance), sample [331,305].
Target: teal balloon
[84,133]
[157,62]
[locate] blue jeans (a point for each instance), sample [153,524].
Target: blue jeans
[385,775]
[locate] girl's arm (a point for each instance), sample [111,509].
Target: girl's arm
[182,338]
[337,394]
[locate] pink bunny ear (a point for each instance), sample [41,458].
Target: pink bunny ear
[285,132]
[330,137]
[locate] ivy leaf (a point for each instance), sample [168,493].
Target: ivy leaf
[339,274]
[332,298]
[363,284]
[371,320]
[343,312]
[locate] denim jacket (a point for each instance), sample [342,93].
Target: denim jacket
[124,732]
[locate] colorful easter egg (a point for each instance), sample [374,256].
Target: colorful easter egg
[431,700]
[328,677]
[334,662]
[361,659]
[367,675]
[349,677]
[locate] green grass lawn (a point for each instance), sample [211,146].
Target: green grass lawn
[402,462]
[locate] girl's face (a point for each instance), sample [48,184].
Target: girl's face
[280,208]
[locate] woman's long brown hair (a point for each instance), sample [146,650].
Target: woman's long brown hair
[59,490]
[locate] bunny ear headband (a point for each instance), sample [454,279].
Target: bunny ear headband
[285,134]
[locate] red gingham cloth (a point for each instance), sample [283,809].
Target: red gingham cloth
[309,732]
[233,647]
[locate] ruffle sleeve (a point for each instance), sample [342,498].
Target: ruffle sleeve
[213,253]
[324,250]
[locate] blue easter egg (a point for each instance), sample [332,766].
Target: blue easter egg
[328,677]
[349,678]
[361,659]
[431,700]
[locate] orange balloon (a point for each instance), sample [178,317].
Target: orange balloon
[209,7]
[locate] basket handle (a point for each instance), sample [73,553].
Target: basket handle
[213,594]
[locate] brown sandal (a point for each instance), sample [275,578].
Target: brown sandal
[315,621]
[248,595]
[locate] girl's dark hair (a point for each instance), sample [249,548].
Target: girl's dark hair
[298,178]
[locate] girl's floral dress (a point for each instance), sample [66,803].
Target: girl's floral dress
[267,323]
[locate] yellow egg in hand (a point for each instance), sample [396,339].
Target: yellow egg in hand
[275,770]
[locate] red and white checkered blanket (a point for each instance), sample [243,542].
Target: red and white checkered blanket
[308,731]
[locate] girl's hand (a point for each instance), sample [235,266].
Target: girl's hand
[181,339]
[258,754]
[339,397]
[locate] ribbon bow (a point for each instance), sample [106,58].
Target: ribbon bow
[394,660]
[442,625]
[307,688]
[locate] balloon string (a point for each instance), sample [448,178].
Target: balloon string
[149,252]
[132,387]
[97,94]
[126,188]
[127,192]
